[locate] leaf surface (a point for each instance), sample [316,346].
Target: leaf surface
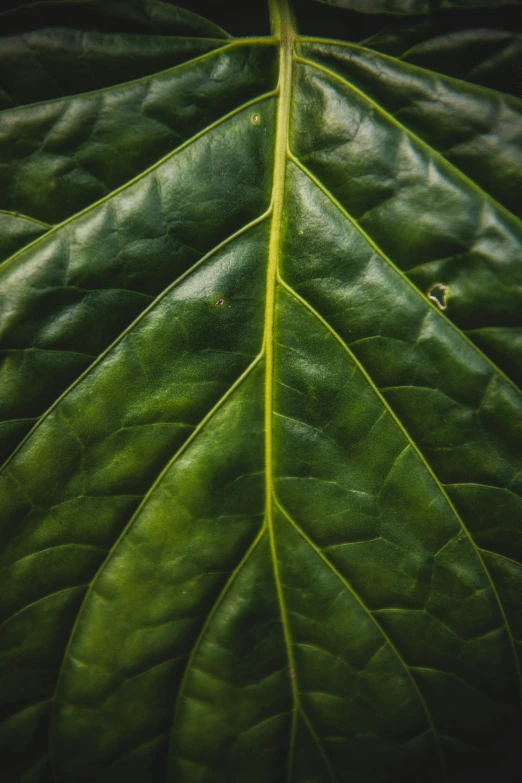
[261,417]
[483,48]
[411,7]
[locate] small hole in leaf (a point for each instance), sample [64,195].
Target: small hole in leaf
[219,302]
[256,119]
[438,293]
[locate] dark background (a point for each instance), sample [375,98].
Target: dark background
[250,17]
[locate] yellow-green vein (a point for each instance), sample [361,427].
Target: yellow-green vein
[398,271]
[219,404]
[20,216]
[206,624]
[424,462]
[228,44]
[420,141]
[142,174]
[370,614]
[363,47]
[313,734]
[131,326]
[283,29]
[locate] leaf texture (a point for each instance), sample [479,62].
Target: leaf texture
[483,48]
[262,492]
[412,7]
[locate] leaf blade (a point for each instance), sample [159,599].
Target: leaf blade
[290,480]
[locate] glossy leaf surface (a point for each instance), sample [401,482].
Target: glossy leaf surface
[261,412]
[412,7]
[483,48]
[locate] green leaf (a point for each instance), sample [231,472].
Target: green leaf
[90,44]
[261,505]
[484,50]
[411,7]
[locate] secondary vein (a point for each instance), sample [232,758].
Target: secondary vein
[425,463]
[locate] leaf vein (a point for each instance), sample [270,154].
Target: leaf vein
[207,623]
[428,468]
[370,614]
[134,323]
[142,174]
[432,150]
[401,274]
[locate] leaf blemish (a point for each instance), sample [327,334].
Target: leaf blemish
[256,119]
[219,302]
[438,293]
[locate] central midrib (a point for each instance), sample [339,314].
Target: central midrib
[284,31]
